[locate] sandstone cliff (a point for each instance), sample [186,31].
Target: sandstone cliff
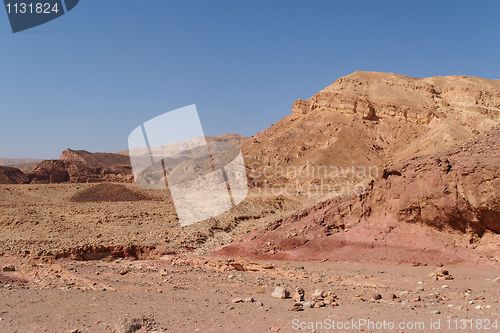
[373,119]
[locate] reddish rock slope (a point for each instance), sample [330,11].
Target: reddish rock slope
[10,175]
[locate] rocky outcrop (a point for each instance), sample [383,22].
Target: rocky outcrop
[372,95]
[50,171]
[372,119]
[11,175]
[98,160]
[458,189]
[80,166]
[61,171]
[397,216]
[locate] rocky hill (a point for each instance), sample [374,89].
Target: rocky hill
[62,171]
[433,143]
[372,119]
[396,218]
[98,160]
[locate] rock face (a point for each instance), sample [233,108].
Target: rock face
[434,145]
[372,96]
[79,166]
[457,189]
[50,171]
[97,160]
[372,119]
[10,175]
[396,218]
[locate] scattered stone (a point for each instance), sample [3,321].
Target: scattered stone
[478,307]
[299,295]
[319,304]
[308,304]
[441,274]
[280,292]
[436,312]
[129,325]
[318,295]
[125,270]
[238,267]
[445,286]
[9,268]
[497,279]
[297,306]
[377,296]
[249,300]
[237,300]
[268,266]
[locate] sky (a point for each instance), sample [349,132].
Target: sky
[88,78]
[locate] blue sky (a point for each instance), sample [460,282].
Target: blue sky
[88,78]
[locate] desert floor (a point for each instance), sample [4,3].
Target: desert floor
[100,266]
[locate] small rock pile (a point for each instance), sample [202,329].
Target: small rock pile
[440,274]
[319,298]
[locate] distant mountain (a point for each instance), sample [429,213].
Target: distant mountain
[5,161]
[95,159]
[24,164]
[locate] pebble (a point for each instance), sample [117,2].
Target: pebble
[299,295]
[280,292]
[309,304]
[237,300]
[297,306]
[125,270]
[319,304]
[318,294]
[9,268]
[249,300]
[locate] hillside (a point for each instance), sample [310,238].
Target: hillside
[434,208]
[371,119]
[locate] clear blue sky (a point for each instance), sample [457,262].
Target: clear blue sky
[86,79]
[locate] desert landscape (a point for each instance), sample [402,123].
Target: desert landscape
[373,206]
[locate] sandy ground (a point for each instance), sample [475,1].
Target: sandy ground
[198,294]
[127,266]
